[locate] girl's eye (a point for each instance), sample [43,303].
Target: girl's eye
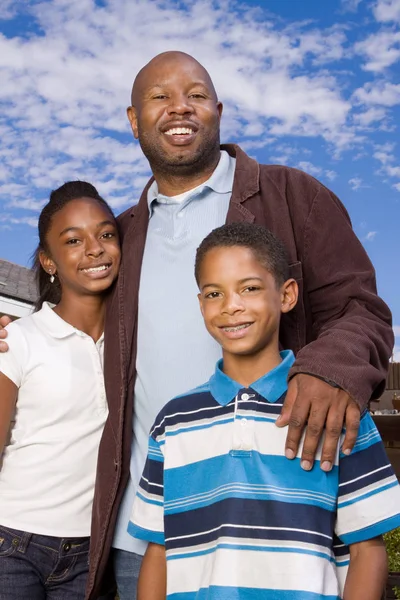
[108,235]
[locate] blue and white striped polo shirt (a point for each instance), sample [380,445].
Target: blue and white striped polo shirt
[237,518]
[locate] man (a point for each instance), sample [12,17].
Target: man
[340,331]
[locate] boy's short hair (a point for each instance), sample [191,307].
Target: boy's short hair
[267,248]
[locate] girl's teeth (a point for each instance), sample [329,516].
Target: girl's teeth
[95,269]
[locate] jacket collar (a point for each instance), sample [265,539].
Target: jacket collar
[271,386]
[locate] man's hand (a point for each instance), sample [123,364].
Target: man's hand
[318,406]
[4,320]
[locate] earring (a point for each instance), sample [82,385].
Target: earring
[51,277]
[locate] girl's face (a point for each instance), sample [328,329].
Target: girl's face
[83,248]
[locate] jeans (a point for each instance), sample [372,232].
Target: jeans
[41,567]
[126,570]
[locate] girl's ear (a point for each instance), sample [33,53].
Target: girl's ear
[47,263]
[289,294]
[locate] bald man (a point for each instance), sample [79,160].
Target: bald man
[156,344]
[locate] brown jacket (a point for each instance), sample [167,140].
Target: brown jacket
[339,330]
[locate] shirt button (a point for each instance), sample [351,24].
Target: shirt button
[244,397]
[243,422]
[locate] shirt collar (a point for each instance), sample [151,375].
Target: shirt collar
[271,386]
[221,180]
[55,325]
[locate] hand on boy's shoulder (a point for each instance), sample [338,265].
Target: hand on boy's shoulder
[4,321]
[316,405]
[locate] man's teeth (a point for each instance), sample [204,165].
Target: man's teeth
[237,327]
[179,131]
[95,269]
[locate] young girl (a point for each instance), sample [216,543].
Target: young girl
[52,402]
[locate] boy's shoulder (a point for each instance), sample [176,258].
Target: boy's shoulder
[184,407]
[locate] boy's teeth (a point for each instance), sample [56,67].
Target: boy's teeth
[95,269]
[237,327]
[179,131]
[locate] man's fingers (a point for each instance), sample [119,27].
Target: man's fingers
[315,426]
[4,321]
[3,347]
[352,422]
[297,422]
[290,399]
[333,431]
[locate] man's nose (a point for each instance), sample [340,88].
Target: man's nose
[180,104]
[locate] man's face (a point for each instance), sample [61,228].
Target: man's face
[176,115]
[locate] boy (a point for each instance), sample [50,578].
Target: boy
[227,517]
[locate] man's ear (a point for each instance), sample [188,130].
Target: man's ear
[289,295]
[132,116]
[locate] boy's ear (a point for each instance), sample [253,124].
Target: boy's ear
[290,293]
[200,299]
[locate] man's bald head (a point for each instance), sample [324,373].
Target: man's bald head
[151,73]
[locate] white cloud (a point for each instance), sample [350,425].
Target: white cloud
[396,354]
[308,167]
[381,93]
[355,183]
[64,91]
[371,115]
[396,186]
[396,330]
[387,10]
[380,50]
[350,5]
[370,236]
[331,175]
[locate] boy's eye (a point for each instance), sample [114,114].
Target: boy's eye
[251,288]
[72,241]
[213,295]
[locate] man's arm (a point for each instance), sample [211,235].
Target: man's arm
[4,321]
[152,583]
[367,572]
[346,359]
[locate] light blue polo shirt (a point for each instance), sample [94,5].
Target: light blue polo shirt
[175,352]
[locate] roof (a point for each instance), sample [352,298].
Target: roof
[17,282]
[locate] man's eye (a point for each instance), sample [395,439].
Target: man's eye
[159,97]
[252,288]
[197,96]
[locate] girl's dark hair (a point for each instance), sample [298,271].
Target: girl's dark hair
[267,248]
[71,190]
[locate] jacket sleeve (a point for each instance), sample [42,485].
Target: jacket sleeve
[352,326]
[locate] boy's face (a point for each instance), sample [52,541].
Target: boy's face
[240,301]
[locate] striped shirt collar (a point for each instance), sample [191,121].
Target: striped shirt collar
[221,181]
[271,386]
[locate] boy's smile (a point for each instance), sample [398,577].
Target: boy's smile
[241,303]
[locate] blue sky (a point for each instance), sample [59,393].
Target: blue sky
[309,83]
